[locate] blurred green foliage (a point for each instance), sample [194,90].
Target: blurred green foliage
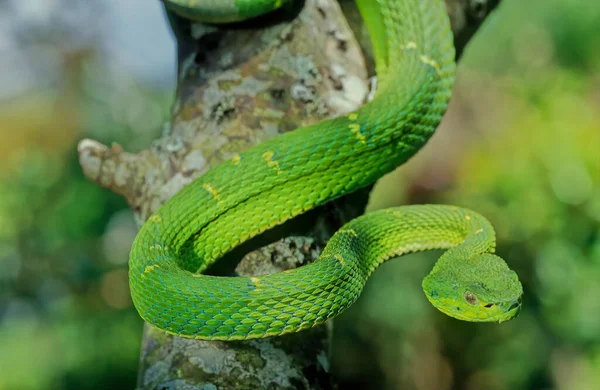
[520,145]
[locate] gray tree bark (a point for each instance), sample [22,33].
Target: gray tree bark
[237,88]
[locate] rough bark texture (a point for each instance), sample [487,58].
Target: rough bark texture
[236,88]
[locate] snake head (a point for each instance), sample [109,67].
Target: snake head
[478,289]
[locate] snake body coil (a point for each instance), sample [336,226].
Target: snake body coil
[295,172]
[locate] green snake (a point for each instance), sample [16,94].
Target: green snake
[290,174]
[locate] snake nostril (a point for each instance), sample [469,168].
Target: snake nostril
[488,305]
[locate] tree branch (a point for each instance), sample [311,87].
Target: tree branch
[237,88]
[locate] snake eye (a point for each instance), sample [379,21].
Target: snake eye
[470,298]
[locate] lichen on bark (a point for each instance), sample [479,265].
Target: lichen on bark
[237,88]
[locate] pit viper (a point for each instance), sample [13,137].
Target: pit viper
[292,173]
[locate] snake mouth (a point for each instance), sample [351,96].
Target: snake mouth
[511,305]
[508,309]
[515,305]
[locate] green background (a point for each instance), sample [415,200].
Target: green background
[520,144]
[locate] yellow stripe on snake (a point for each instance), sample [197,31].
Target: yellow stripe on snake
[295,172]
